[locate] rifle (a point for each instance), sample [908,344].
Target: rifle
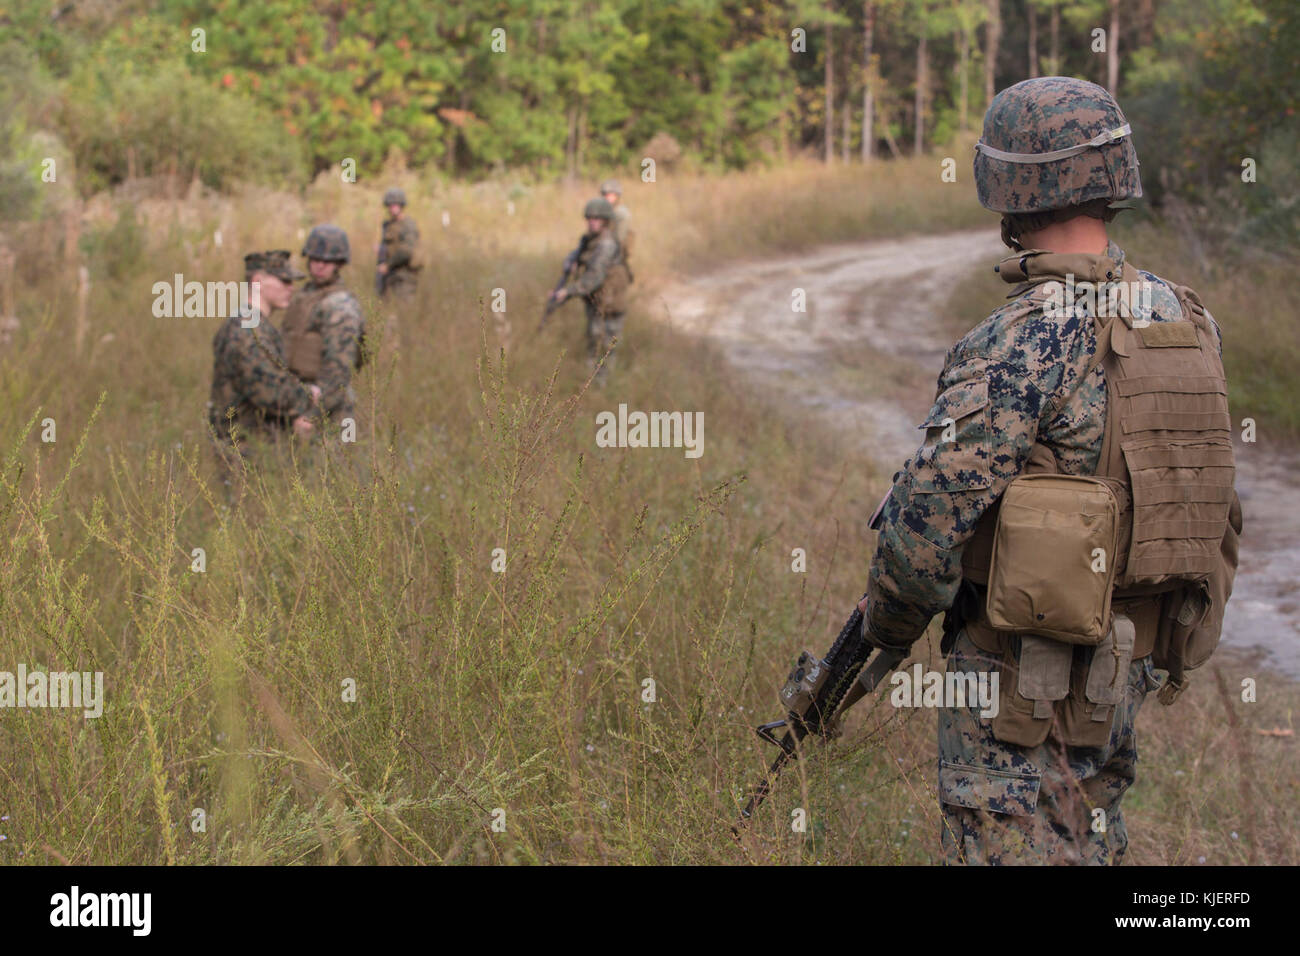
[816,695]
[569,262]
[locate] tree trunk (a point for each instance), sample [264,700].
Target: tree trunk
[846,132]
[581,139]
[570,146]
[868,126]
[830,97]
[1112,50]
[922,53]
[889,139]
[1056,39]
[964,66]
[1146,22]
[992,37]
[1033,40]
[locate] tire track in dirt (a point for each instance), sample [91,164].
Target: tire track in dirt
[863,360]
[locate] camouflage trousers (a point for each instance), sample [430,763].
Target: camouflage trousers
[1002,803]
[602,331]
[400,284]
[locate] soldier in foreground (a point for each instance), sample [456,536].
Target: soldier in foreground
[1071,589]
[601,278]
[324,327]
[396,271]
[254,395]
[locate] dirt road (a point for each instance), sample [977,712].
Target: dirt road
[864,356]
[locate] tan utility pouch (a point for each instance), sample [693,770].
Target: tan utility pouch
[1051,679]
[1053,564]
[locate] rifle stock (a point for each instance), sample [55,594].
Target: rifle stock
[816,695]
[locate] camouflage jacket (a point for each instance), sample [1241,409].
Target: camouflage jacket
[323,332]
[622,226]
[993,403]
[251,382]
[601,275]
[401,237]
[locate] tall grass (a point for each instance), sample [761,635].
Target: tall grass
[601,691]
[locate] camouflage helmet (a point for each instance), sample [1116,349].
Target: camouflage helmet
[394,195]
[598,209]
[611,186]
[1051,143]
[328,243]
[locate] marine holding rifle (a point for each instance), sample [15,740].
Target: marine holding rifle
[1071,510]
[597,273]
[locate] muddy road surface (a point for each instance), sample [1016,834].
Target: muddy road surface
[863,359]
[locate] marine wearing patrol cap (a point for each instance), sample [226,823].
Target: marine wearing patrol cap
[274,262]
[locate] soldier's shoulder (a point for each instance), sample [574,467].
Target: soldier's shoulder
[339,305]
[1156,298]
[1017,328]
[222,338]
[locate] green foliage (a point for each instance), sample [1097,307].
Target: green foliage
[545,87]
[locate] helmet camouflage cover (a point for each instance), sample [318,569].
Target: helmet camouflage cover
[1054,142]
[598,209]
[611,186]
[328,243]
[395,195]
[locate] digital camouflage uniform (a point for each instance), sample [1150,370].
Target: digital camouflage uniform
[601,278]
[1000,391]
[253,389]
[324,328]
[621,224]
[401,238]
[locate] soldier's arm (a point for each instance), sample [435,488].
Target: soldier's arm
[262,376]
[984,422]
[340,326]
[402,251]
[593,277]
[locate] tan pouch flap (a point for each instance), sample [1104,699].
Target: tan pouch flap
[1053,563]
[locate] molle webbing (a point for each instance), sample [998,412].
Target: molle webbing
[302,347]
[1167,438]
[1168,433]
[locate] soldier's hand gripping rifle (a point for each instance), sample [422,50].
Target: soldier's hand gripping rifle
[816,694]
[552,303]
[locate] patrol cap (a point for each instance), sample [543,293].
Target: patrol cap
[274,262]
[611,186]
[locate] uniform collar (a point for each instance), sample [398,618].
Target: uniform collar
[1030,267]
